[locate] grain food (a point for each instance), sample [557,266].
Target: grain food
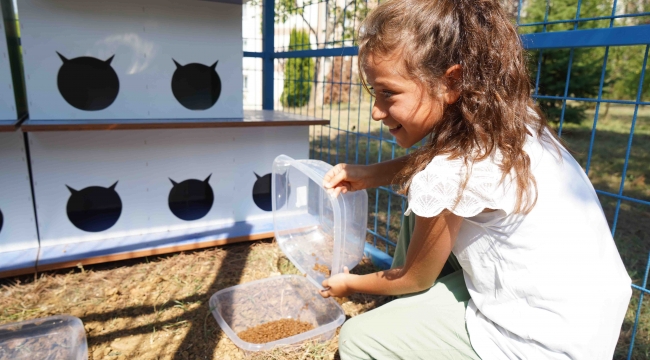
[322,269]
[274,330]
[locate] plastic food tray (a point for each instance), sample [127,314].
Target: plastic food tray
[313,228]
[58,337]
[240,307]
[319,234]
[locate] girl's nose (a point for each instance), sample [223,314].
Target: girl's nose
[377,112]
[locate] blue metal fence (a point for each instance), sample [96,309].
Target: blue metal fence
[580,34]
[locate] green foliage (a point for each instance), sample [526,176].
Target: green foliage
[624,63]
[285,8]
[584,81]
[348,18]
[298,72]
[587,62]
[624,69]
[342,20]
[565,10]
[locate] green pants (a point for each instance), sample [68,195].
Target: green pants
[426,325]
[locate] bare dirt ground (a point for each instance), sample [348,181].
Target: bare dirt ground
[157,307]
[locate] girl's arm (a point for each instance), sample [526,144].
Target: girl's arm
[431,244]
[385,171]
[350,177]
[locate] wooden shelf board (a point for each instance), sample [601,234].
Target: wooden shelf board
[9,125]
[252,118]
[69,254]
[17,272]
[148,252]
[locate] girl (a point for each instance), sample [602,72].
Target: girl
[541,277]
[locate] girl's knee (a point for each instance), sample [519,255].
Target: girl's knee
[350,330]
[351,339]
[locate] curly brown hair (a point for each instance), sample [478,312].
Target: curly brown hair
[494,108]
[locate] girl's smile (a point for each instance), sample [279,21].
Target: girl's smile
[394,130]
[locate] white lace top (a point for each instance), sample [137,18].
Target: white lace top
[437,188]
[547,285]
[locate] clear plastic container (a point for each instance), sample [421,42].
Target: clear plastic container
[58,337]
[320,234]
[241,307]
[314,229]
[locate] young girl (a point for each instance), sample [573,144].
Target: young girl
[541,277]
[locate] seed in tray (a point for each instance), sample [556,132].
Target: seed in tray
[322,269]
[274,330]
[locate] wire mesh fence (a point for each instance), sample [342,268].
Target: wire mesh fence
[587,62]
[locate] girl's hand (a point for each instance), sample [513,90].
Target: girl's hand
[337,285]
[345,177]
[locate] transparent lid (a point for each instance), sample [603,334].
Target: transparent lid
[244,306]
[319,233]
[58,337]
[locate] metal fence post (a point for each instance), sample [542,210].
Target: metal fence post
[268,44]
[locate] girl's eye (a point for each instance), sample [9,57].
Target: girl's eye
[383,93]
[386,94]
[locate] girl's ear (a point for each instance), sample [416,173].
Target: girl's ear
[453,76]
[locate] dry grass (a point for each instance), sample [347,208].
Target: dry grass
[157,308]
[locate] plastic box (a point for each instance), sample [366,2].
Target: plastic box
[312,228]
[240,307]
[58,337]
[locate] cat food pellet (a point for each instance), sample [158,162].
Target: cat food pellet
[322,269]
[274,330]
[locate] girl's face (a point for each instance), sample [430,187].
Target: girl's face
[401,103]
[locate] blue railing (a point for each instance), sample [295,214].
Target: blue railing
[604,28]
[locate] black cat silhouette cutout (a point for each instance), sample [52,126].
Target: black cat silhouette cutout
[192,199]
[196,86]
[1,220]
[262,192]
[94,208]
[88,83]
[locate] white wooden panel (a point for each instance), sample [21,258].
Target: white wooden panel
[7,98]
[143,162]
[18,229]
[142,37]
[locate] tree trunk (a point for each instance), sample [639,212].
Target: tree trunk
[337,86]
[316,96]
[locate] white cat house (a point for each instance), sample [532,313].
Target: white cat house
[137,139]
[18,233]
[132,59]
